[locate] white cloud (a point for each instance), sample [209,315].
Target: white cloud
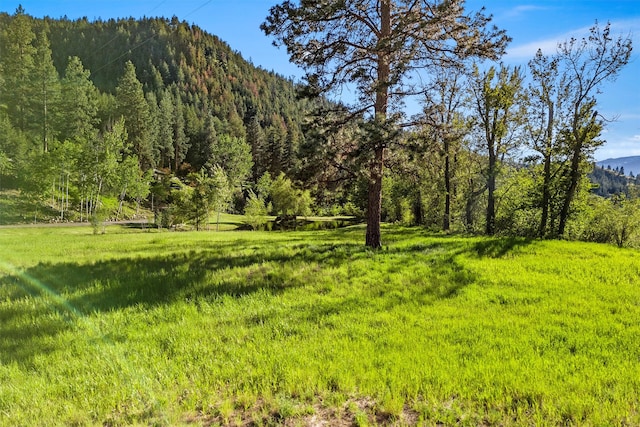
[526,51]
[548,46]
[626,147]
[519,11]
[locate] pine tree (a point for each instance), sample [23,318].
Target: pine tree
[180,139]
[19,69]
[154,126]
[165,130]
[256,140]
[47,91]
[79,103]
[133,107]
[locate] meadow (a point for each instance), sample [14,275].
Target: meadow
[148,327]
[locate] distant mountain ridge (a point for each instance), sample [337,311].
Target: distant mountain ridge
[630,164]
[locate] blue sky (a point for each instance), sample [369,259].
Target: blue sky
[532,24]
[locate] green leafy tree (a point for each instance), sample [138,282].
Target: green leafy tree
[256,211]
[98,167]
[545,98]
[375,47]
[131,181]
[203,197]
[62,161]
[263,186]
[495,97]
[5,166]
[446,127]
[35,176]
[287,200]
[222,190]
[233,155]
[586,65]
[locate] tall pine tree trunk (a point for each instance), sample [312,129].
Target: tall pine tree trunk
[375,201]
[374,208]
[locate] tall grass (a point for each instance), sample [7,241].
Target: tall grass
[291,328]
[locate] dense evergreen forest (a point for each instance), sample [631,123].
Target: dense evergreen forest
[95,115]
[176,99]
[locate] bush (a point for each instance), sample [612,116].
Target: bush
[614,220]
[256,211]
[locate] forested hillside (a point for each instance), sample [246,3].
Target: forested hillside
[189,102]
[609,182]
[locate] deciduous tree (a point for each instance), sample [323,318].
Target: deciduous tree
[495,95]
[586,65]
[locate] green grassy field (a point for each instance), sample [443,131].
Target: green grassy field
[298,328]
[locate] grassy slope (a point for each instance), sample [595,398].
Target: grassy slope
[169,328]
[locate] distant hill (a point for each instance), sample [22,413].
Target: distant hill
[630,164]
[608,182]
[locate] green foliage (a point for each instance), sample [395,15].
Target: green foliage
[297,328]
[518,200]
[288,200]
[495,97]
[186,98]
[134,109]
[256,211]
[79,102]
[614,220]
[233,155]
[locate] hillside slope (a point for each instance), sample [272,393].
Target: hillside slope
[220,91]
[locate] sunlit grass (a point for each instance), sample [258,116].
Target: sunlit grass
[166,328]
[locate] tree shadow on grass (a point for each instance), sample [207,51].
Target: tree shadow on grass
[48,297]
[500,247]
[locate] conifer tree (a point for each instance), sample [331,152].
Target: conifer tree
[79,102]
[180,139]
[165,129]
[19,69]
[133,107]
[47,91]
